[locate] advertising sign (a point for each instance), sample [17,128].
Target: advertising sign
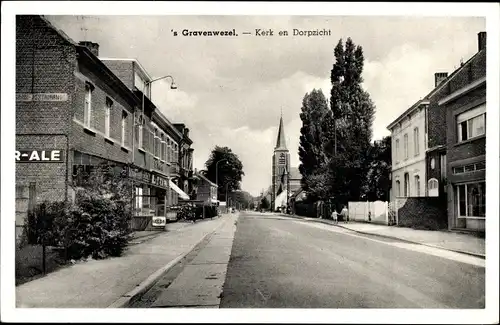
[39,156]
[159,181]
[42,97]
[159,221]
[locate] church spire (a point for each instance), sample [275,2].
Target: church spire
[280,141]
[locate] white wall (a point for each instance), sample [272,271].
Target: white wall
[414,164]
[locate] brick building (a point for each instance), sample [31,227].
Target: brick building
[185,161]
[456,159]
[158,140]
[72,113]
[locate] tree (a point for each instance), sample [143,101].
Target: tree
[264,203]
[229,170]
[347,132]
[378,180]
[314,107]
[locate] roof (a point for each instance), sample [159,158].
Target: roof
[280,140]
[295,173]
[203,177]
[86,54]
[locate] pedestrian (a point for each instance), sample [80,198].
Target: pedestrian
[345,214]
[334,216]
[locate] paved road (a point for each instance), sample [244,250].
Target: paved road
[279,262]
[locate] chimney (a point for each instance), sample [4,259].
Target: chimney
[439,77]
[481,41]
[93,47]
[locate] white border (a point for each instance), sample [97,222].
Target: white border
[8,311]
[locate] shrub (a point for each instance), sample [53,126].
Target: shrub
[97,224]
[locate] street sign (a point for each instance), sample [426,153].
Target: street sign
[159,221]
[42,97]
[39,156]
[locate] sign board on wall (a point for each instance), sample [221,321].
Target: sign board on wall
[159,181]
[39,156]
[42,97]
[159,221]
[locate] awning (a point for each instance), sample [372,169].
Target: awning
[181,193]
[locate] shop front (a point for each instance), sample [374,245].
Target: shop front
[468,210]
[151,190]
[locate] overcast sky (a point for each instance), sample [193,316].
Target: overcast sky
[231,90]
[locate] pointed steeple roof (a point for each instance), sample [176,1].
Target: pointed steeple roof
[280,141]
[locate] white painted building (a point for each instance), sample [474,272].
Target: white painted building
[409,143]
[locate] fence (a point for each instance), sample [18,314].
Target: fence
[375,212]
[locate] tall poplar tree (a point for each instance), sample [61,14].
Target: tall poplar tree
[348,131]
[314,107]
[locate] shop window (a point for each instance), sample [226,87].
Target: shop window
[138,198]
[471,200]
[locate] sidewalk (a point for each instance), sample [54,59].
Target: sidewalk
[457,242]
[101,283]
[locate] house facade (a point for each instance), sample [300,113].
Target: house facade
[409,142]
[157,143]
[462,101]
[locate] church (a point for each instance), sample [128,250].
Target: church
[285,179]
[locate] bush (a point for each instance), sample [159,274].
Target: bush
[97,224]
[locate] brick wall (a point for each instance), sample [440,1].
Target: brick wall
[422,213]
[124,70]
[44,64]
[50,178]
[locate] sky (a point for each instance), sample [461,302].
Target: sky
[231,90]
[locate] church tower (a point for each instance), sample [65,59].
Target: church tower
[281,166]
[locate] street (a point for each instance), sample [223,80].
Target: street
[281,262]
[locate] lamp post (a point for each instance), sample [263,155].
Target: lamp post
[141,122]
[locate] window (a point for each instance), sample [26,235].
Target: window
[397,150]
[124,127]
[417,185]
[107,116]
[405,144]
[163,153]
[157,144]
[470,168]
[471,200]
[140,136]
[87,113]
[169,148]
[442,162]
[407,185]
[433,163]
[416,141]
[471,123]
[398,188]
[433,186]
[138,198]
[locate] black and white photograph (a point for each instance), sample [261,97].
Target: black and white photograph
[250,162]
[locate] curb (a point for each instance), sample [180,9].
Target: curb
[130,297]
[482,256]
